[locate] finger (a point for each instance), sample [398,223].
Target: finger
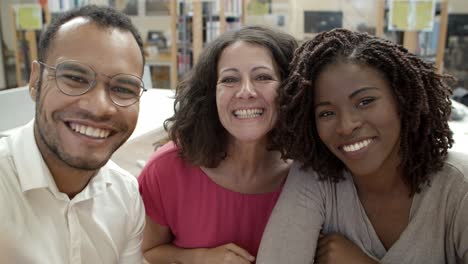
[321,260]
[327,239]
[242,260]
[233,258]
[322,247]
[322,241]
[321,251]
[240,251]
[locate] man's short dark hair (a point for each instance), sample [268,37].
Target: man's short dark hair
[102,16]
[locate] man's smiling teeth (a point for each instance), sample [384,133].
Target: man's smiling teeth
[90,131]
[248,113]
[357,146]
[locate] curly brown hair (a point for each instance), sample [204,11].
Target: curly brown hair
[195,126]
[422,95]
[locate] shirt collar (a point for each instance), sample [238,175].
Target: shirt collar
[97,185]
[33,172]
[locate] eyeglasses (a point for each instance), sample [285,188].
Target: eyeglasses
[74,78]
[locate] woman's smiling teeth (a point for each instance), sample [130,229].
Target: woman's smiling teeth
[248,113]
[90,131]
[357,146]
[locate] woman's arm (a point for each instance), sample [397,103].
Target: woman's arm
[295,223]
[157,248]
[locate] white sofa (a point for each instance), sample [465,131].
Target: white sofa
[16,108]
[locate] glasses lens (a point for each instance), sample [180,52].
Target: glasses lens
[74,78]
[125,89]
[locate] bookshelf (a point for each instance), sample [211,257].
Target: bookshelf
[201,21]
[413,40]
[26,23]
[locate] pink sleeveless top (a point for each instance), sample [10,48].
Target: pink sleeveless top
[199,212]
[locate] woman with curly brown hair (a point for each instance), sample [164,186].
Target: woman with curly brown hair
[208,193]
[373,181]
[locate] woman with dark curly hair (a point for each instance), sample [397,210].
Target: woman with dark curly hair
[208,193]
[367,123]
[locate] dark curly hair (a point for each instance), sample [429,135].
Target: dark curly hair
[195,126]
[102,16]
[422,95]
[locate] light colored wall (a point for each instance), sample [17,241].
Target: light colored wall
[2,70]
[5,16]
[16,108]
[7,32]
[147,23]
[279,8]
[355,12]
[458,6]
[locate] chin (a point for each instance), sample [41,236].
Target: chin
[250,136]
[88,162]
[251,139]
[361,170]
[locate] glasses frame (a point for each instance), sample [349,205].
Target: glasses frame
[93,84]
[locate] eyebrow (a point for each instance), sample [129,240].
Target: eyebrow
[353,94]
[361,90]
[321,104]
[253,69]
[73,67]
[128,80]
[262,67]
[228,69]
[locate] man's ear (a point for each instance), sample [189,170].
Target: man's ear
[34,80]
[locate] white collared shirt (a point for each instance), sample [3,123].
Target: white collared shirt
[39,224]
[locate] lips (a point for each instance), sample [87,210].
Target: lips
[356,146]
[248,113]
[90,131]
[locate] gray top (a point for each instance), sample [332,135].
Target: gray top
[437,231]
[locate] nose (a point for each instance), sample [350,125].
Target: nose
[348,123]
[247,90]
[97,100]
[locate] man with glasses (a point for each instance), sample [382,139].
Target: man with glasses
[61,199]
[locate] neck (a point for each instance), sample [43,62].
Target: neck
[68,180]
[387,181]
[250,168]
[248,159]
